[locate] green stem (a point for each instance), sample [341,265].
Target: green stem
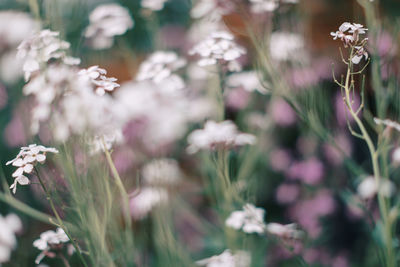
[375,166]
[60,222]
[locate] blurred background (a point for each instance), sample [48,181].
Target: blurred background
[297,176]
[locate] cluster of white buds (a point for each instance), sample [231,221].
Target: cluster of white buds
[25,162]
[219,47]
[349,34]
[51,240]
[97,76]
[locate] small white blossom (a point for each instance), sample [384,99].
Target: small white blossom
[50,240]
[368,188]
[147,199]
[159,66]
[288,231]
[9,225]
[388,123]
[250,219]
[218,135]
[227,259]
[154,5]
[396,156]
[25,161]
[249,81]
[40,48]
[218,47]
[161,172]
[97,76]
[349,32]
[106,22]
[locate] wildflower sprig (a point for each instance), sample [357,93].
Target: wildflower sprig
[350,35]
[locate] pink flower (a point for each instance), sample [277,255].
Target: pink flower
[287,193]
[282,113]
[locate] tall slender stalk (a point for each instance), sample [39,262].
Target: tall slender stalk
[390,261]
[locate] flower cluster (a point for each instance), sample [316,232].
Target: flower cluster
[25,162]
[248,80]
[50,240]
[349,34]
[219,47]
[159,66]
[97,76]
[227,258]
[9,225]
[218,135]
[107,21]
[42,47]
[250,219]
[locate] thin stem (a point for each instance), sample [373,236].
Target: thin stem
[60,222]
[375,165]
[64,260]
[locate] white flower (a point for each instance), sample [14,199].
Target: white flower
[288,231]
[250,219]
[107,21]
[396,155]
[354,29]
[147,199]
[155,5]
[368,188]
[388,123]
[359,54]
[25,161]
[9,225]
[49,240]
[106,141]
[159,66]
[218,47]
[249,81]
[97,76]
[260,6]
[227,259]
[285,46]
[161,172]
[218,135]
[40,48]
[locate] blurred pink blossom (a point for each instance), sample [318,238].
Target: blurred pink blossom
[282,113]
[237,98]
[310,171]
[308,212]
[3,96]
[280,159]
[14,134]
[287,193]
[333,154]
